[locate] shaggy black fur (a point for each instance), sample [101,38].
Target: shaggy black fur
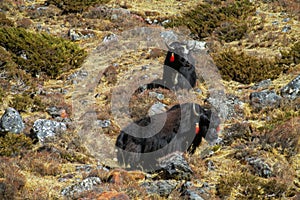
[178,134]
[179,74]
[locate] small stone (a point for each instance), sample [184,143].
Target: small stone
[85,185]
[104,123]
[11,121]
[292,89]
[286,29]
[110,38]
[161,187]
[157,108]
[286,19]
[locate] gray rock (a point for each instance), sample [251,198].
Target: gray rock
[169,35]
[11,121]
[292,89]
[286,19]
[174,166]
[85,185]
[110,37]
[157,108]
[46,129]
[192,192]
[264,84]
[159,96]
[260,167]
[54,111]
[76,35]
[264,98]
[161,187]
[286,28]
[104,123]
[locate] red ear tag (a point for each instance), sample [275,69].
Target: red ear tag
[172,58]
[218,129]
[197,128]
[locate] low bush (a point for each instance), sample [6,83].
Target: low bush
[243,68]
[74,6]
[40,54]
[206,18]
[23,103]
[12,144]
[247,186]
[11,180]
[291,56]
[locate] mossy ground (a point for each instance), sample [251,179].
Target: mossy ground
[30,170]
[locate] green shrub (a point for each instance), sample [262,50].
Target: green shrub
[13,144]
[247,186]
[243,68]
[206,18]
[74,6]
[291,56]
[40,53]
[23,102]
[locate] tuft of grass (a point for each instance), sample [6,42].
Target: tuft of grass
[246,69]
[12,144]
[39,54]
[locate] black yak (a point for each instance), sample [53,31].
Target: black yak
[178,71]
[184,127]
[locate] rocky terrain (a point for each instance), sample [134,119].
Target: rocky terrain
[68,70]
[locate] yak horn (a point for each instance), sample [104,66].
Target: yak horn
[194,110]
[169,47]
[191,44]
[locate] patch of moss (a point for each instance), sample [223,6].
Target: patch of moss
[13,144]
[247,186]
[40,54]
[243,68]
[23,103]
[75,6]
[206,18]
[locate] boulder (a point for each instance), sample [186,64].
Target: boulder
[11,121]
[46,129]
[264,98]
[174,166]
